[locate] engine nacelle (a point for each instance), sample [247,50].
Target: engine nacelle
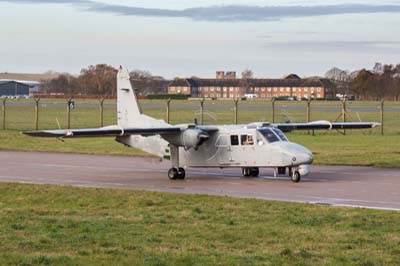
[193,138]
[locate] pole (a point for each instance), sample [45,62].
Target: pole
[382,112]
[236,101]
[101,112]
[69,113]
[202,111]
[309,114]
[344,114]
[168,110]
[37,113]
[273,110]
[4,113]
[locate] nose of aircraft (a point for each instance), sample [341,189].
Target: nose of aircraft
[299,154]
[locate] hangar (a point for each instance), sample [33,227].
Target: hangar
[13,88]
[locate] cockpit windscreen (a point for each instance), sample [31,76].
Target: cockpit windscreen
[273,134]
[280,134]
[269,135]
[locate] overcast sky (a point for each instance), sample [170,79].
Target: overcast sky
[184,38]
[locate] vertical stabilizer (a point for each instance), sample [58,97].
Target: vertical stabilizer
[128,107]
[130,115]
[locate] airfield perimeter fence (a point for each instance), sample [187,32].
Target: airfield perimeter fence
[32,114]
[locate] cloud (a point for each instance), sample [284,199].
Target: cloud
[223,13]
[338,46]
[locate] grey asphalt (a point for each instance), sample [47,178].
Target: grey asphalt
[195,106]
[331,185]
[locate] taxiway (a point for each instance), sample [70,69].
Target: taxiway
[332,185]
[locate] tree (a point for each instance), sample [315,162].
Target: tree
[145,83]
[341,79]
[247,74]
[361,84]
[99,80]
[64,83]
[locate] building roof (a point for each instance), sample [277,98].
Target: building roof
[27,77]
[291,82]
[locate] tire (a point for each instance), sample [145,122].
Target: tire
[296,177]
[254,172]
[173,174]
[181,173]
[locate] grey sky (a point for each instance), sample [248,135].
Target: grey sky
[184,38]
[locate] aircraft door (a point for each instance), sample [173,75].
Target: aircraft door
[222,147]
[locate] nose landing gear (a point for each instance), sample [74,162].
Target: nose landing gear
[294,176]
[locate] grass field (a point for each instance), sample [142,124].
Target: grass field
[43,225]
[366,147]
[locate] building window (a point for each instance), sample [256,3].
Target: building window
[294,89]
[275,89]
[281,89]
[305,89]
[318,89]
[231,89]
[218,89]
[318,95]
[287,89]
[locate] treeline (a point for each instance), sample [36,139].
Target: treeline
[101,80]
[380,82]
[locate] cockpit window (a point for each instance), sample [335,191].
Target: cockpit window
[269,135]
[247,139]
[280,134]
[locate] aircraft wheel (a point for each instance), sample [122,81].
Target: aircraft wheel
[254,172]
[296,177]
[181,173]
[173,173]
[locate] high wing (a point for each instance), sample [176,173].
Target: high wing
[103,132]
[287,127]
[114,131]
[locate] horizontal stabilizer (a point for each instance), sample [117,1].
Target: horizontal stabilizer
[102,132]
[319,125]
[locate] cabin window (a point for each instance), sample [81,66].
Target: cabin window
[247,139]
[234,140]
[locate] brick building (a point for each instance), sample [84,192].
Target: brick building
[228,86]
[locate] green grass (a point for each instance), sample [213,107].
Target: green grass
[44,225]
[365,147]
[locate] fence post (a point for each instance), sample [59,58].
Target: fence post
[236,101]
[382,112]
[273,109]
[69,101]
[344,114]
[202,111]
[309,114]
[4,113]
[37,100]
[168,110]
[101,112]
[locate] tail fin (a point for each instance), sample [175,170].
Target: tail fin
[128,108]
[130,115]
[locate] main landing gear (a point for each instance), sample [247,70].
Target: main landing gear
[176,173]
[250,172]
